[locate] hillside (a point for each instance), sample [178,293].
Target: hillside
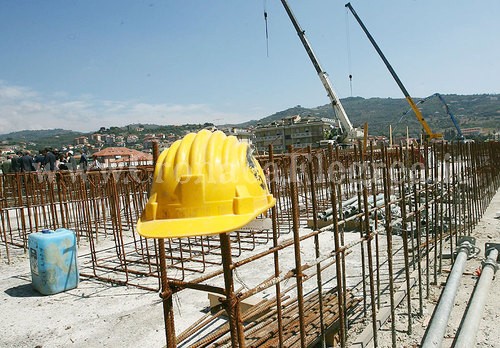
[470,110]
[42,138]
[482,110]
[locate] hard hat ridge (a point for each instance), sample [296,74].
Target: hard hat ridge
[205,183]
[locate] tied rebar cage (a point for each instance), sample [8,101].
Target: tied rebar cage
[353,235]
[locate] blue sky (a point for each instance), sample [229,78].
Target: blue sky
[85,64]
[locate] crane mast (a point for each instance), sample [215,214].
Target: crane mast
[418,113]
[335,101]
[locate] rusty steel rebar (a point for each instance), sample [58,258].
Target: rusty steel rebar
[388,231]
[404,226]
[323,301]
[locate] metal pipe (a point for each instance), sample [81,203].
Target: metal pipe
[470,324]
[437,327]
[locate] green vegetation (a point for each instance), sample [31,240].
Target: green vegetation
[39,139]
[470,110]
[482,110]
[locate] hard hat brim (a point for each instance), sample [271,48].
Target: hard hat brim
[191,227]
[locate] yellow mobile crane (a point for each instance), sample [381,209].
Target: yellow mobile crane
[429,133]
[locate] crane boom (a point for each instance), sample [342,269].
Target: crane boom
[448,112]
[335,101]
[409,99]
[453,119]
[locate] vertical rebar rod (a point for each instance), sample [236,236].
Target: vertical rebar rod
[338,254]
[296,241]
[404,224]
[427,217]
[475,185]
[441,210]
[409,181]
[369,237]
[342,175]
[274,216]
[418,218]
[388,231]
[357,181]
[470,188]
[453,199]
[434,212]
[232,302]
[374,195]
[448,202]
[314,203]
[3,211]
[166,291]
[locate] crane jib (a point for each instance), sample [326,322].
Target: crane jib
[414,107]
[335,101]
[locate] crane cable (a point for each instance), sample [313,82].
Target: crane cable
[349,63]
[410,110]
[267,33]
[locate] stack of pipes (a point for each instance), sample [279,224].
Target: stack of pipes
[350,207]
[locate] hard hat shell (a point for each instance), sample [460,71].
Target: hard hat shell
[205,183]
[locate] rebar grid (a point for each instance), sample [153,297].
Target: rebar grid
[316,264]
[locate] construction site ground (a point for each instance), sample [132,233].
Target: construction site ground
[487,231]
[100,314]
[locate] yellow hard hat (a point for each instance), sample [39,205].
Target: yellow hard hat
[205,183]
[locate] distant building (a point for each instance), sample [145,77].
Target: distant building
[122,156]
[471,131]
[6,150]
[109,138]
[99,144]
[150,138]
[83,140]
[300,132]
[96,137]
[242,134]
[132,138]
[119,139]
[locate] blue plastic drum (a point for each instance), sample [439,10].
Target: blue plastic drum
[53,260]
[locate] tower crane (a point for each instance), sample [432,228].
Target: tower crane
[430,134]
[348,131]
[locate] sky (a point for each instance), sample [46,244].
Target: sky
[85,64]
